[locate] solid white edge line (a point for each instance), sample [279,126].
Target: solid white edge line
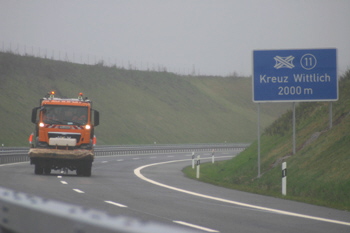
[116,204]
[195,226]
[137,172]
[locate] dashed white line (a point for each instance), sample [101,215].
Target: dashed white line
[104,162]
[59,177]
[116,204]
[135,158]
[195,226]
[78,191]
[63,182]
[120,160]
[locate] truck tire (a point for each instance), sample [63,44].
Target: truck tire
[87,171]
[80,171]
[47,170]
[84,169]
[38,170]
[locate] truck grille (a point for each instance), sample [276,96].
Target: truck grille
[65,135]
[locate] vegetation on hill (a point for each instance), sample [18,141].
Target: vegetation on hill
[319,171]
[136,107]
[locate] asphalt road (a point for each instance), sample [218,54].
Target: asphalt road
[152,187]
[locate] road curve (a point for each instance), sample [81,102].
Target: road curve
[115,189]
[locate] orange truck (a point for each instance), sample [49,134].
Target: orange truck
[64,135]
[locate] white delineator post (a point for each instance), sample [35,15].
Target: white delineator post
[212,157]
[198,166]
[284,178]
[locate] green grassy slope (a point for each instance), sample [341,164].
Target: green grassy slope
[318,173]
[136,107]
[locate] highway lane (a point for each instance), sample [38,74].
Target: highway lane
[115,188]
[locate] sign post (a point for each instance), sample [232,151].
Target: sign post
[300,75]
[258,140]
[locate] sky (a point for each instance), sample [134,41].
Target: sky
[205,37]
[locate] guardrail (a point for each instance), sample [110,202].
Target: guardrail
[153,149]
[20,154]
[13,154]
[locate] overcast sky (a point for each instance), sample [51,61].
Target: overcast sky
[211,36]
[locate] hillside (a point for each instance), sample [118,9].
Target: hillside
[136,107]
[318,173]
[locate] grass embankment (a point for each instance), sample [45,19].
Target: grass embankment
[318,173]
[136,107]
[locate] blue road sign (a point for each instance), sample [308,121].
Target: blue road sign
[295,75]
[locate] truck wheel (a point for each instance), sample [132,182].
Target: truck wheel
[47,170]
[38,170]
[79,171]
[84,169]
[88,170]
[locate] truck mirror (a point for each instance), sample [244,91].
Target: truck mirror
[96,118]
[34,114]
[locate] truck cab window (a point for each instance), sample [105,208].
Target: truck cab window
[65,115]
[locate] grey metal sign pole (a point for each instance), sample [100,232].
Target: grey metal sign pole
[258,140]
[294,128]
[330,115]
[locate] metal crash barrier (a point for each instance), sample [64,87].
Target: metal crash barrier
[156,149]
[20,154]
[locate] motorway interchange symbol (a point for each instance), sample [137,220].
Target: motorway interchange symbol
[284,62]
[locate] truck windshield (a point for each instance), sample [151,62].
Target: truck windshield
[65,115]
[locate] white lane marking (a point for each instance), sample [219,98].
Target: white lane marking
[195,226]
[116,204]
[78,191]
[120,160]
[135,158]
[153,157]
[59,177]
[137,172]
[104,162]
[63,182]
